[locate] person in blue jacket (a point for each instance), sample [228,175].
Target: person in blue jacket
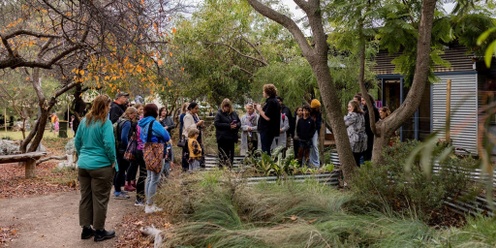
[158,135]
[95,148]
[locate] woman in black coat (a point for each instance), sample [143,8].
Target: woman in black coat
[227,125]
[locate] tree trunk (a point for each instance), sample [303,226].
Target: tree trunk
[414,96]
[335,116]
[29,168]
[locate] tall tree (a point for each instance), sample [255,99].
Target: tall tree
[65,36]
[316,53]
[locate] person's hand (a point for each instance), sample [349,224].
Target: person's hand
[258,107]
[200,123]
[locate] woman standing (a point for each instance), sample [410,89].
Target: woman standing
[166,120]
[296,142]
[95,147]
[250,140]
[184,111]
[140,162]
[192,120]
[227,125]
[355,123]
[126,130]
[157,135]
[270,117]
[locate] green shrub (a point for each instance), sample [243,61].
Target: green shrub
[389,188]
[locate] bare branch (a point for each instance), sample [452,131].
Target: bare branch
[29,33]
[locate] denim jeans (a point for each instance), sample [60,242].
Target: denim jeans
[314,151]
[152,180]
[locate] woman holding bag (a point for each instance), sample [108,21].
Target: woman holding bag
[154,136]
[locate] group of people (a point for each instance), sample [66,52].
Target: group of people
[357,123]
[267,127]
[106,131]
[102,164]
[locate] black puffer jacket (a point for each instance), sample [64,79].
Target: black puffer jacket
[222,122]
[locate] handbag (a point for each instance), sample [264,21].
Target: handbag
[181,142]
[153,153]
[130,153]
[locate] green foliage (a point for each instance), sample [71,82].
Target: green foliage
[388,187]
[491,48]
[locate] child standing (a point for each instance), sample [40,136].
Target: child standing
[195,150]
[305,130]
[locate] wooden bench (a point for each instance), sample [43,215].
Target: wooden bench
[29,160]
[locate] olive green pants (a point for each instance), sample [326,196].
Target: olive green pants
[95,186]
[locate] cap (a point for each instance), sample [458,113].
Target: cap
[122,93]
[314,103]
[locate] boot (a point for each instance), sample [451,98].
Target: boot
[101,235]
[87,233]
[128,187]
[133,183]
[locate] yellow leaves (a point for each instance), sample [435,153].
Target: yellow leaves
[155,26]
[160,62]
[170,54]
[174,30]
[14,23]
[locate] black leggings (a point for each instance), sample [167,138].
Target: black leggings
[226,152]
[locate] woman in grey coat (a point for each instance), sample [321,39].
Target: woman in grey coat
[355,127]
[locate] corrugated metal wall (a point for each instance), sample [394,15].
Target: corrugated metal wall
[463,109]
[457,55]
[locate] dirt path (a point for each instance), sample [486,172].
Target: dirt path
[52,220]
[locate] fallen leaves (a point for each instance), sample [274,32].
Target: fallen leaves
[130,228]
[7,234]
[14,185]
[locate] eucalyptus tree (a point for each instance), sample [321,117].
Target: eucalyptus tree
[61,38]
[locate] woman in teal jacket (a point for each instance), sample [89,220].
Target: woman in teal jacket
[95,147]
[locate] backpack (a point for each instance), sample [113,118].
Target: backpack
[117,126]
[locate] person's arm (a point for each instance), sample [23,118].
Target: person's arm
[220,124]
[160,132]
[349,119]
[238,121]
[109,142]
[285,126]
[78,141]
[170,123]
[262,113]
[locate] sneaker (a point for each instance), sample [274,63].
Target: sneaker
[121,196]
[152,209]
[101,235]
[139,203]
[87,233]
[148,209]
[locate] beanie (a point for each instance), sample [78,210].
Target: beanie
[314,103]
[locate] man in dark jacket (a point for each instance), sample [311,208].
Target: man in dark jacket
[367,155]
[269,123]
[118,106]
